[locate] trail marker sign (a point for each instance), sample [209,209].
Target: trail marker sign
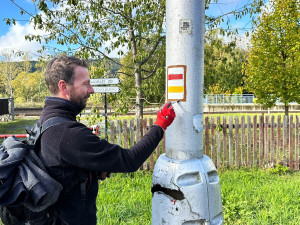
[176,83]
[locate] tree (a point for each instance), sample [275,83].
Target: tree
[29,87]
[8,72]
[18,81]
[273,61]
[223,65]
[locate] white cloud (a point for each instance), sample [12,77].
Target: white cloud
[14,39]
[114,53]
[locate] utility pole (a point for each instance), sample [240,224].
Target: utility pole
[185,184]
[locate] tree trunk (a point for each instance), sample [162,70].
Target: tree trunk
[286,110]
[138,85]
[139,103]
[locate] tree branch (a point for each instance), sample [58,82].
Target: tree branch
[154,71]
[152,50]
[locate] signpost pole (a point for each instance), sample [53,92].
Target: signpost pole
[105,112]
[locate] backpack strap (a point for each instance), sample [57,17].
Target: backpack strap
[52,122]
[34,133]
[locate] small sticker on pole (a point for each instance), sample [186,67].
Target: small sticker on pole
[185,26]
[176,83]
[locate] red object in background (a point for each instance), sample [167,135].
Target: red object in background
[16,135]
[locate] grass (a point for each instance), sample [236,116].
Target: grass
[125,199]
[17,126]
[249,196]
[260,197]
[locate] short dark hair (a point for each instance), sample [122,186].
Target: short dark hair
[62,68]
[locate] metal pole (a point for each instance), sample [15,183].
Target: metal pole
[105,113]
[185,182]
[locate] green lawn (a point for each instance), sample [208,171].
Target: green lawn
[260,197]
[249,197]
[17,126]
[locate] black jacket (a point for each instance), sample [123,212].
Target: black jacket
[71,148]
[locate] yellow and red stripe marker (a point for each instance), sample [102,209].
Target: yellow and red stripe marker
[176,83]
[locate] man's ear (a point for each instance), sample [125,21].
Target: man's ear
[63,88]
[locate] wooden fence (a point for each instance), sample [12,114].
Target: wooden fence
[231,142]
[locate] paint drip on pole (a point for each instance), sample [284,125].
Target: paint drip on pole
[185,184]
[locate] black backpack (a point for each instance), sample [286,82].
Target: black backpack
[14,207]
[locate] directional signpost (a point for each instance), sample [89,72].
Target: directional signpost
[105,81]
[106,89]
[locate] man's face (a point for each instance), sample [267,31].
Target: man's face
[81,89]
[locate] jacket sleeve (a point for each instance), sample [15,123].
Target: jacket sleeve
[81,148]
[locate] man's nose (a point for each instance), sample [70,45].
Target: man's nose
[91,90]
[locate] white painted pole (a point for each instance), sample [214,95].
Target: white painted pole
[185,47]
[185,184]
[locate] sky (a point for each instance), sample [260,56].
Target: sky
[12,37]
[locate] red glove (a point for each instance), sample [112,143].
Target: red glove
[165,116]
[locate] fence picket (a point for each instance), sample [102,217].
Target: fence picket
[255,141]
[272,140]
[279,143]
[266,132]
[218,142]
[225,159]
[125,132]
[297,143]
[248,163]
[139,129]
[158,151]
[243,153]
[291,160]
[237,146]
[230,141]
[261,140]
[151,156]
[144,124]
[131,131]
[212,132]
[119,131]
[285,138]
[112,132]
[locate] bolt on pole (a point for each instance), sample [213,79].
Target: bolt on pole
[185,183]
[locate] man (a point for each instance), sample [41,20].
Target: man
[72,154]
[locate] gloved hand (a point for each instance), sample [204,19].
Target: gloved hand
[165,116]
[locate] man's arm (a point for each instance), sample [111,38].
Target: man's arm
[84,149]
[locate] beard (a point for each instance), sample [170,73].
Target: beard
[80,102]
